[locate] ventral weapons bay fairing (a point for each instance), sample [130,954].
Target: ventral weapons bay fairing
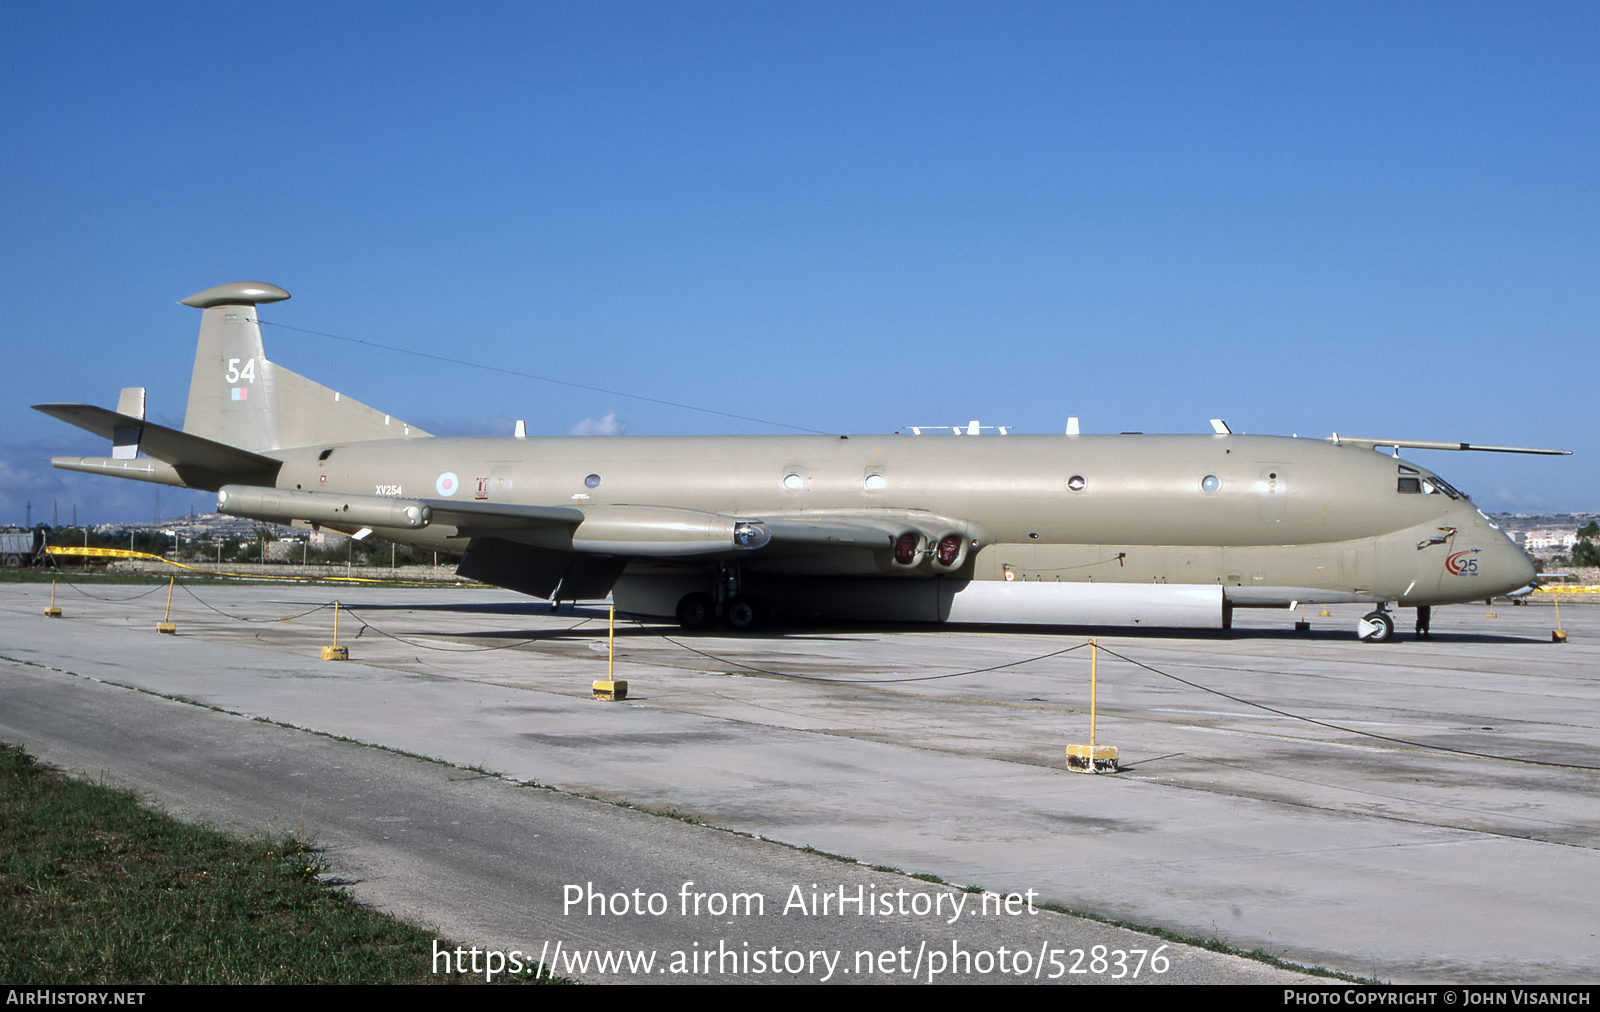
[1126,530]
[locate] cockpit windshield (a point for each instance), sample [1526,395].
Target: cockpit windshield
[1415,482]
[1447,489]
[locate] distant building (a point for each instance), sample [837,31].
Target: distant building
[1549,541]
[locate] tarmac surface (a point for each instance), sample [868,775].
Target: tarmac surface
[1408,812]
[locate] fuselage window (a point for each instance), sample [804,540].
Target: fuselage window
[1411,486]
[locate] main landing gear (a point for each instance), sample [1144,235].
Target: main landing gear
[697,611]
[1376,627]
[740,611]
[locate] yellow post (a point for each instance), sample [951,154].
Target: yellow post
[611,690]
[335,652]
[1559,636]
[51,610]
[1093,757]
[1094,687]
[165,625]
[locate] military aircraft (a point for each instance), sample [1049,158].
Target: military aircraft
[1116,530]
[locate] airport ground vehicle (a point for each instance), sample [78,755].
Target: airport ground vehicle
[21,548]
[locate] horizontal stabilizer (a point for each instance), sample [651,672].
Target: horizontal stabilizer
[195,460]
[139,468]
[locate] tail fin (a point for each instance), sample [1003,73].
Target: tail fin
[239,398]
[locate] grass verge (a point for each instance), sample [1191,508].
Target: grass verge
[95,888]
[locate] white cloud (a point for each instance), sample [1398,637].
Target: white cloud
[606,425]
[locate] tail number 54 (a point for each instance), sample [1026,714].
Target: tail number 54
[235,374]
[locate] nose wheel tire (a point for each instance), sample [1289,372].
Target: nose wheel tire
[1377,627]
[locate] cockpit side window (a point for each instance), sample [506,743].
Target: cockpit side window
[1413,482]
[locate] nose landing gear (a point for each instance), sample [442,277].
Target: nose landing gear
[1376,627]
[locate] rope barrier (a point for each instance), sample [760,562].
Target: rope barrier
[1154,670]
[730,662]
[1339,727]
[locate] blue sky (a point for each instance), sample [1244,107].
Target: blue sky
[1377,219]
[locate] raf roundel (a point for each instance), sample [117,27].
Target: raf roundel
[447,483]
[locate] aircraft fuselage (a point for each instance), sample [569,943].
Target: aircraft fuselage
[1269,519]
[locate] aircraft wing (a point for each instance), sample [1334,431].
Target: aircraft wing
[577,552]
[550,556]
[662,531]
[621,529]
[823,532]
[915,532]
[483,517]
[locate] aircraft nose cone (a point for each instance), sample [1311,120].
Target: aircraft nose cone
[1510,566]
[1526,572]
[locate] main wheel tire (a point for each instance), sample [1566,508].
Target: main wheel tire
[1383,627]
[697,611]
[744,613]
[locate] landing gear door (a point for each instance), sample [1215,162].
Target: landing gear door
[1355,567]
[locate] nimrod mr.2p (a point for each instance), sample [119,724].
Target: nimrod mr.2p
[1146,530]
